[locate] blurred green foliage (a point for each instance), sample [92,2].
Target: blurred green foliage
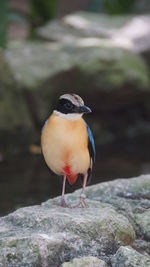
[3,22]
[42,11]
[112,7]
[116,7]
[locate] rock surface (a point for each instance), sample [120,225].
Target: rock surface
[95,29]
[85,262]
[127,256]
[32,68]
[116,218]
[13,108]
[15,118]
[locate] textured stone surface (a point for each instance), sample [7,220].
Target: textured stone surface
[96,230]
[127,256]
[143,221]
[85,262]
[116,218]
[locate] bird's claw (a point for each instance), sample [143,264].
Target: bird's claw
[63,203]
[81,203]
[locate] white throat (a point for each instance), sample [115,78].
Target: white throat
[71,116]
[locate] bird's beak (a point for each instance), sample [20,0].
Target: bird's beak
[84,109]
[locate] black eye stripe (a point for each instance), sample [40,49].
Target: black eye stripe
[65,106]
[68,105]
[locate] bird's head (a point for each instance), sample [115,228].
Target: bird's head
[71,106]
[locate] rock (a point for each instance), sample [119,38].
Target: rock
[53,234]
[95,29]
[49,235]
[135,188]
[142,246]
[43,71]
[143,221]
[15,119]
[82,24]
[127,256]
[85,262]
[34,63]
[130,197]
[12,104]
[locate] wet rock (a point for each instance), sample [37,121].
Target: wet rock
[85,262]
[127,256]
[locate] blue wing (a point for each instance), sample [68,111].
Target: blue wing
[91,144]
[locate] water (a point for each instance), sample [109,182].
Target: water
[26,180]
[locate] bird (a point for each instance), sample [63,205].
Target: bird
[67,143]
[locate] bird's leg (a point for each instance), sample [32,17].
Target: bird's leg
[63,202]
[83,196]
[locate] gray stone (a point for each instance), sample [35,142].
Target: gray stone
[49,235]
[82,24]
[95,29]
[13,107]
[143,221]
[54,234]
[135,188]
[33,64]
[130,197]
[85,262]
[127,256]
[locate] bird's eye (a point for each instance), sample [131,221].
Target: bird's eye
[68,105]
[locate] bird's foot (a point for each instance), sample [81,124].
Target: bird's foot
[63,203]
[82,203]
